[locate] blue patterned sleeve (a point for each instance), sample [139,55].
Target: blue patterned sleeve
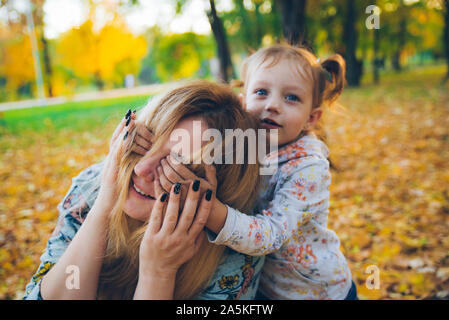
[72,211]
[236,278]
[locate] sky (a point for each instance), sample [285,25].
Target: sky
[62,15]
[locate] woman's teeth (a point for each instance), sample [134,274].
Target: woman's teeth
[141,192]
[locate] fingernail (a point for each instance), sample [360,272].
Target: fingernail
[177,188]
[128,121]
[208,194]
[126,136]
[196,185]
[128,114]
[134,111]
[164,196]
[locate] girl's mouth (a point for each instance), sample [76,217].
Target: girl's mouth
[270,124]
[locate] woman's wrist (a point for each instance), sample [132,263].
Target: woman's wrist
[155,286]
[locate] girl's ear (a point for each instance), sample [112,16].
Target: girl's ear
[242,100]
[314,117]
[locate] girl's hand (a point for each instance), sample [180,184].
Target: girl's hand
[142,140]
[171,239]
[171,170]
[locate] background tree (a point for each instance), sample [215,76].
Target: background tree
[350,40]
[446,36]
[105,57]
[224,55]
[293,14]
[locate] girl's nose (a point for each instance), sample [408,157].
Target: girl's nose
[273,105]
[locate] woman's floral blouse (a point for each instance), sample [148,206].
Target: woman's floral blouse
[237,277]
[303,256]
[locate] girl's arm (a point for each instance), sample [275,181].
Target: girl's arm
[300,195]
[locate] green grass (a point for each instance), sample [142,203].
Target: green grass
[71,115]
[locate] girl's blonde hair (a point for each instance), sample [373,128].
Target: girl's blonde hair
[328,77]
[220,108]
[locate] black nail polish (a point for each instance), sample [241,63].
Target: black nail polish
[126,136]
[134,111]
[128,114]
[177,188]
[196,185]
[208,194]
[128,121]
[164,197]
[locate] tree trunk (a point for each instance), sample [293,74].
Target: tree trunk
[47,65]
[293,14]
[98,81]
[401,43]
[353,66]
[446,37]
[224,56]
[376,38]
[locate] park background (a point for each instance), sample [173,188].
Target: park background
[69,70]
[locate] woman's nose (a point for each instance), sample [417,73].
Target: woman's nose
[145,168]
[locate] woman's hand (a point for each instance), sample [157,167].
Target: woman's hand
[119,144]
[171,170]
[171,239]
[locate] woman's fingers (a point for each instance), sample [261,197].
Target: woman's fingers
[157,185]
[189,210]
[211,174]
[155,222]
[172,212]
[202,214]
[118,130]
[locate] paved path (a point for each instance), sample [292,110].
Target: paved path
[116,93]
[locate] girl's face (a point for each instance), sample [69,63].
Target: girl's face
[139,206]
[281,97]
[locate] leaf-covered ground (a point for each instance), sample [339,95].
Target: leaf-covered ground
[390,191]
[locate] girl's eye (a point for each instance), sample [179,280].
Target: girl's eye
[292,97]
[261,92]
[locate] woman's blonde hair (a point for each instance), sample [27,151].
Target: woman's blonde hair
[328,76]
[238,185]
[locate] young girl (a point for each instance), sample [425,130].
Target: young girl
[285,87]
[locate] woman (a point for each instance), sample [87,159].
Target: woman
[118,249]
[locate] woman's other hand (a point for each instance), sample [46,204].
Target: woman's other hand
[119,143]
[171,239]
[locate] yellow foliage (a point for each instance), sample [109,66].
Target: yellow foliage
[98,54]
[17,63]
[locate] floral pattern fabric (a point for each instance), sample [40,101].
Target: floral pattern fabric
[237,277]
[303,257]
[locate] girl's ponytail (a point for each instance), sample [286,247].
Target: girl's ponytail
[335,71]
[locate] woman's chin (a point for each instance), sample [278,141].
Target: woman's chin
[135,212]
[137,208]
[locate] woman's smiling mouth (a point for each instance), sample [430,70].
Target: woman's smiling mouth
[140,192]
